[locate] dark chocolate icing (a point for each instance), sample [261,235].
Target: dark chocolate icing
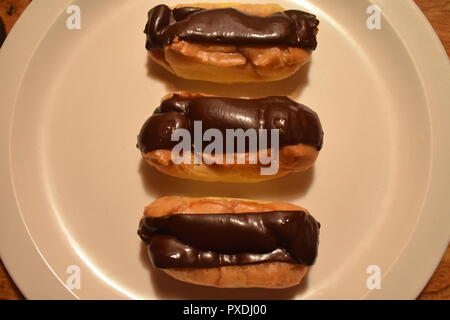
[296,122]
[292,28]
[211,240]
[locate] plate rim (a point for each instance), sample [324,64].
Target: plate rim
[423,43]
[13,228]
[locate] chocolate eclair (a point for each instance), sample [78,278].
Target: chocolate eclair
[231,42]
[210,138]
[230,243]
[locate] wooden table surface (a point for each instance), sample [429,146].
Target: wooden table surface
[437,12]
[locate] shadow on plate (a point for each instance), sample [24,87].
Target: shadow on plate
[292,86]
[168,288]
[289,187]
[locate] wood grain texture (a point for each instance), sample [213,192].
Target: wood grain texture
[438,288]
[437,12]
[8,290]
[10,11]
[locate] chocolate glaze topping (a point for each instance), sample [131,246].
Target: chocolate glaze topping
[296,122]
[292,28]
[212,240]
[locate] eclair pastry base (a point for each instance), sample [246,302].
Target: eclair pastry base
[293,158]
[275,275]
[229,63]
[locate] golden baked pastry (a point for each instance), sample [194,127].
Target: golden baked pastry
[231,42]
[299,140]
[230,243]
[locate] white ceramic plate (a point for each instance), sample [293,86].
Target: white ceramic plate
[74,185]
